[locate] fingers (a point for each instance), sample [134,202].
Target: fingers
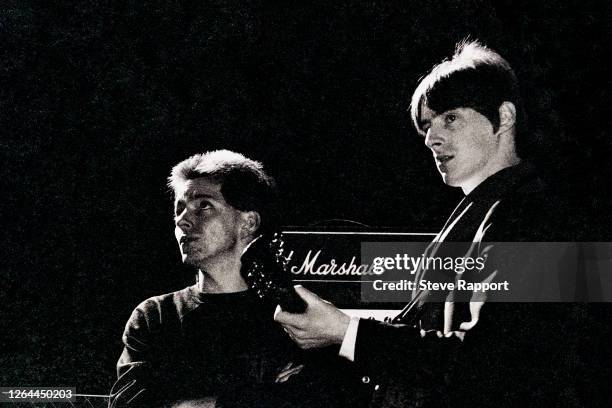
[298,320]
[307,295]
[277,311]
[290,319]
[303,339]
[475,315]
[290,369]
[288,372]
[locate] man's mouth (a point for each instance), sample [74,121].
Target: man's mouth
[186,239]
[443,159]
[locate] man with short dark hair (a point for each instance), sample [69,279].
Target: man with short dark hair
[213,342]
[441,354]
[468,110]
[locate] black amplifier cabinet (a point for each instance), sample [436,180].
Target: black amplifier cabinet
[328,261]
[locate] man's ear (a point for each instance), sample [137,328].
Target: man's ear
[507,117]
[251,220]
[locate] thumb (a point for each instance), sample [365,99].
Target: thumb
[307,295]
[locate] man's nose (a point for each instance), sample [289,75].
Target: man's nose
[183,221]
[433,138]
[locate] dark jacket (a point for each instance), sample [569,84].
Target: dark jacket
[518,354]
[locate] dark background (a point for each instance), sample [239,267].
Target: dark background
[98,101]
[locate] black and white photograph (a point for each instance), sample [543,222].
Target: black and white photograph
[369,204]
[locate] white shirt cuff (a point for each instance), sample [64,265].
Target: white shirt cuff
[347,350]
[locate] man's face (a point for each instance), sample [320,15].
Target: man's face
[206,226]
[463,144]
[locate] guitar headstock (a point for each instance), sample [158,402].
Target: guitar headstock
[264,268]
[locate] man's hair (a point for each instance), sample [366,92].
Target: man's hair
[244,183]
[475,77]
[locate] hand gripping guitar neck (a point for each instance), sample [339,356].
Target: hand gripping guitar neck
[264,269]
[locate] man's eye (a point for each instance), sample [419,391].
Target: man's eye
[179,210]
[450,118]
[205,205]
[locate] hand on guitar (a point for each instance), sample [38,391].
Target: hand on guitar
[310,321]
[321,325]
